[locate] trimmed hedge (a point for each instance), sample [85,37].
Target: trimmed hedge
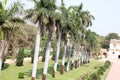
[21,75]
[20,57]
[97,75]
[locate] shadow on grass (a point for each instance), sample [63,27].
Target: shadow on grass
[38,74]
[6,65]
[40,71]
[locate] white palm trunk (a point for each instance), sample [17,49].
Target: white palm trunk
[74,52]
[64,55]
[0,59]
[69,56]
[79,59]
[35,61]
[82,52]
[89,56]
[63,59]
[79,55]
[57,52]
[2,46]
[47,54]
[73,57]
[85,56]
[0,65]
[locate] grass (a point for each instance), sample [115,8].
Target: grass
[11,73]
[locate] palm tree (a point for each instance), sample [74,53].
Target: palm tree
[51,7]
[7,26]
[65,32]
[59,30]
[39,16]
[91,38]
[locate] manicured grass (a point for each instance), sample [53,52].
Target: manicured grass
[11,73]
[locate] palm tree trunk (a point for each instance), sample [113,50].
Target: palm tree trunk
[0,65]
[0,58]
[35,62]
[89,56]
[69,55]
[63,59]
[73,57]
[47,54]
[3,51]
[57,54]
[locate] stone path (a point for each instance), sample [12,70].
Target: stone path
[114,73]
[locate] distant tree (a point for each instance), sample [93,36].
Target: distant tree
[105,43]
[112,36]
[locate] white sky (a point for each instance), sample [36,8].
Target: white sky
[106,13]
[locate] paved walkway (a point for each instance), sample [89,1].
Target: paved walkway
[114,73]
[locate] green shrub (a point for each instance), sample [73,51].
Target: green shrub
[21,75]
[102,68]
[99,72]
[107,64]
[20,57]
[94,76]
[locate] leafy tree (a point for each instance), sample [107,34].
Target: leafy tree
[7,25]
[106,42]
[112,36]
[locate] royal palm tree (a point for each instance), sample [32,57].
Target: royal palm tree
[58,23]
[91,38]
[65,32]
[51,28]
[39,16]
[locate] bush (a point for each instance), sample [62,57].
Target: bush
[20,57]
[100,72]
[21,75]
[107,64]
[102,68]
[94,76]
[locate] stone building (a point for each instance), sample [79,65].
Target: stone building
[114,50]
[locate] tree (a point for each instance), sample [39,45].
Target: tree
[91,38]
[38,16]
[58,31]
[7,26]
[51,32]
[65,32]
[105,43]
[112,36]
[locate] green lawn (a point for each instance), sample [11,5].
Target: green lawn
[11,73]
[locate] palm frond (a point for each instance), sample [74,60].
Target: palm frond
[17,20]
[15,9]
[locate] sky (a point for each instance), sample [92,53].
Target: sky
[106,13]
